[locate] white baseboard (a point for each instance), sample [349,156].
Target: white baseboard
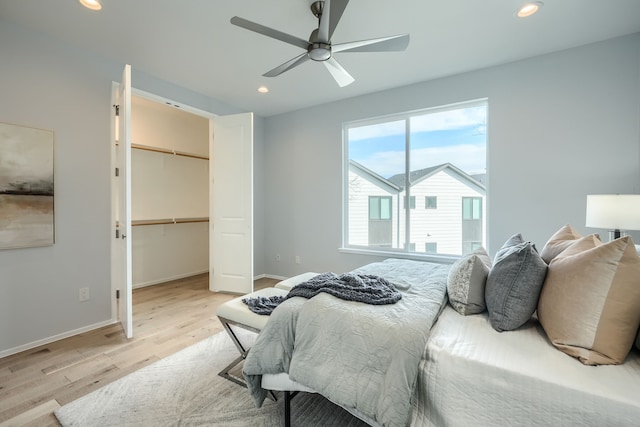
[84,329]
[269,276]
[167,279]
[57,337]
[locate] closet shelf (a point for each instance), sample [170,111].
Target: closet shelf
[167,151]
[137,222]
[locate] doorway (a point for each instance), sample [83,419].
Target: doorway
[218,214]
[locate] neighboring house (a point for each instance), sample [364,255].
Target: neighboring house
[447,210]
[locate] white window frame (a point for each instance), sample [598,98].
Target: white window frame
[393,252]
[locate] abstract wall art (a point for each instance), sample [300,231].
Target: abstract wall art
[26,187]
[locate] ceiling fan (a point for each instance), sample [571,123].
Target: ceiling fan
[319,47]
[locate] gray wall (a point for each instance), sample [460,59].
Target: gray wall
[51,86]
[560,126]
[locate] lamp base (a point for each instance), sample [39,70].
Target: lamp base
[616,234]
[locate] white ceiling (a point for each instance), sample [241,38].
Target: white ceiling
[192,44]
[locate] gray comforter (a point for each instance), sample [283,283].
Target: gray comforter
[356,355]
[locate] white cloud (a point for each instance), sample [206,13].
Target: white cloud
[443,120]
[467,157]
[448,120]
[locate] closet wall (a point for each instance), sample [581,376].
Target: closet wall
[169,192]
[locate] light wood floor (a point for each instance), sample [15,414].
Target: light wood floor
[166,318]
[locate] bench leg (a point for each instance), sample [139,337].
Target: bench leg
[287,409]
[224,373]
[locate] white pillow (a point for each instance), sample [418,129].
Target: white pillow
[466,282]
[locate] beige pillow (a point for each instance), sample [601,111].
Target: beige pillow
[590,301]
[467,280]
[560,241]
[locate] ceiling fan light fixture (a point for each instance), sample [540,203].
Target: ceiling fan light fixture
[91,4]
[319,51]
[528,9]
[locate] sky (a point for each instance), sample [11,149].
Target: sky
[454,136]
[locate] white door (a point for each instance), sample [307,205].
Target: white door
[231,204]
[122,270]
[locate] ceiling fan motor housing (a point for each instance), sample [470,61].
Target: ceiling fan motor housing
[318,51]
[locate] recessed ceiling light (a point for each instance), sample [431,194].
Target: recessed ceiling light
[263,89]
[529,9]
[91,4]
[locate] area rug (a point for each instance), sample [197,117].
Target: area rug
[184,389]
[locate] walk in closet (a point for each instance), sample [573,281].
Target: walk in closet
[169,192]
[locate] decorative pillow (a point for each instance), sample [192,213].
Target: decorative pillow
[560,241]
[467,280]
[590,303]
[513,284]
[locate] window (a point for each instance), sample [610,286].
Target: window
[412,202]
[379,207]
[471,224]
[380,229]
[471,208]
[431,202]
[436,155]
[431,247]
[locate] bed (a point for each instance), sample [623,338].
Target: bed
[468,374]
[472,375]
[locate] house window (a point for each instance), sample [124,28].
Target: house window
[380,229]
[472,225]
[412,202]
[436,155]
[431,202]
[379,207]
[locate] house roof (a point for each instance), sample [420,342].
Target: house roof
[373,177]
[396,182]
[421,174]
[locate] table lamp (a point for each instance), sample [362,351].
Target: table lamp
[616,212]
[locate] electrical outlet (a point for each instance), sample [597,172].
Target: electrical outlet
[277,257]
[83,294]
[297,259]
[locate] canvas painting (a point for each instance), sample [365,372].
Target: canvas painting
[26,187]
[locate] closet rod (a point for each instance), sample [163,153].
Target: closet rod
[167,221]
[168,151]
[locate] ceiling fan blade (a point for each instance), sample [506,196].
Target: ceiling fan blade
[287,65]
[331,13]
[269,32]
[382,44]
[341,76]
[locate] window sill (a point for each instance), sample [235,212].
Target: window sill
[442,259]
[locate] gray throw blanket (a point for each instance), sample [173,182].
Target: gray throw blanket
[364,288]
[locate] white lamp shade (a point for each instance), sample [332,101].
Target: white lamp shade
[613,211]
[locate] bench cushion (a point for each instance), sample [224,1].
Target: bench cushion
[289,283]
[237,312]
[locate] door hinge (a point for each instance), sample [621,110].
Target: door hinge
[117,171]
[117,233]
[117,107]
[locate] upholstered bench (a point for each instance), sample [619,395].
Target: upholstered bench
[236,313]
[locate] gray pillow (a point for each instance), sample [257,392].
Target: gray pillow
[514,284]
[466,282]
